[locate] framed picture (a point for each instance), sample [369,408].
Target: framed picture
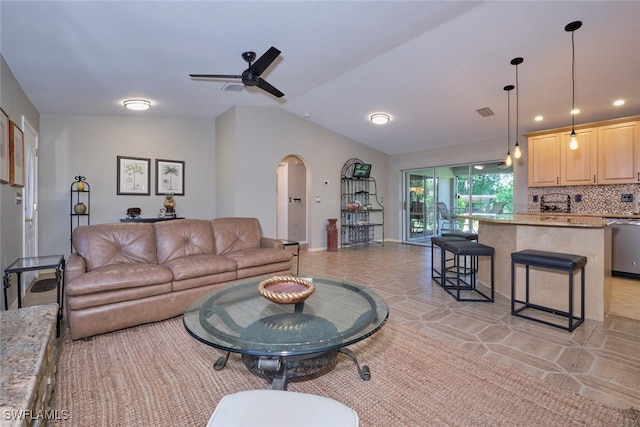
[16,155]
[4,147]
[169,177]
[133,176]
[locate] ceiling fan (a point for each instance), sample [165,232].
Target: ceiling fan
[251,76]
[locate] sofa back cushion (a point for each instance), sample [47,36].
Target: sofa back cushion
[107,244]
[235,234]
[183,237]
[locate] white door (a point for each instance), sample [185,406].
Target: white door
[30,197]
[282,203]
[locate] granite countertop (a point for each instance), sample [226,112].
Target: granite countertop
[576,214]
[23,343]
[545,220]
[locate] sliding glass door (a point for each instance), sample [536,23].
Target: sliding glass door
[419,201]
[433,197]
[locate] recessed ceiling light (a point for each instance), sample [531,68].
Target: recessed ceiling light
[479,167]
[137,104]
[380,118]
[538,118]
[575,111]
[618,102]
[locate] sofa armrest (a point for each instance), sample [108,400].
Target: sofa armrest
[267,242]
[75,266]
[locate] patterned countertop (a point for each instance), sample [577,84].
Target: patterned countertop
[543,220]
[23,342]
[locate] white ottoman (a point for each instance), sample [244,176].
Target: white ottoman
[264,408]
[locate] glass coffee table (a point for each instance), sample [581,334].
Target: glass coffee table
[286,341]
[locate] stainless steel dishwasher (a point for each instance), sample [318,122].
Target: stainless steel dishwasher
[625,243]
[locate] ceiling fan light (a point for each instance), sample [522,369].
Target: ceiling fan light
[380,118]
[137,104]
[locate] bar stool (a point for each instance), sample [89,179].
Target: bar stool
[473,250]
[436,275]
[463,234]
[553,261]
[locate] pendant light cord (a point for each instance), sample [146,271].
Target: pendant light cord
[517,106]
[573,82]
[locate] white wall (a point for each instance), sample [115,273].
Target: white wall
[89,145]
[263,136]
[477,152]
[15,104]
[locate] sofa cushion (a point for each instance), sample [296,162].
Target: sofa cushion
[183,237]
[261,256]
[235,234]
[108,244]
[118,276]
[199,265]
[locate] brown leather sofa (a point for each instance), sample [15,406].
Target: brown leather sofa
[126,274]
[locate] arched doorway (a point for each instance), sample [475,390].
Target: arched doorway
[292,201]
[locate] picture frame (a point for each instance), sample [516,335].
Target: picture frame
[4,147]
[133,176]
[16,155]
[169,177]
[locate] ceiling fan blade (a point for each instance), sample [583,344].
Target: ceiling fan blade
[264,61]
[214,76]
[262,84]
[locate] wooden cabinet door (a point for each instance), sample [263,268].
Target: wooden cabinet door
[618,154]
[544,160]
[579,167]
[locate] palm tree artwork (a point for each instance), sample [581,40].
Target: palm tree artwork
[170,171]
[133,169]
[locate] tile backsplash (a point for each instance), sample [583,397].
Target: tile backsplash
[604,199]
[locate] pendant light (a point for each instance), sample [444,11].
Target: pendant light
[517,153]
[572,27]
[508,161]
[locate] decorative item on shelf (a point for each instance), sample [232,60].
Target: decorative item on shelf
[286,289]
[80,184]
[508,161]
[80,208]
[572,27]
[134,213]
[169,210]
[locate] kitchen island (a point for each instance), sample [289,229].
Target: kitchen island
[581,235]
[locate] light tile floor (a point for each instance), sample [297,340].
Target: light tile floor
[600,360]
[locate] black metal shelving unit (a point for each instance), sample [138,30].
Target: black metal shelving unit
[361,213]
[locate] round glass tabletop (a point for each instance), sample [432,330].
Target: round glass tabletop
[238,319]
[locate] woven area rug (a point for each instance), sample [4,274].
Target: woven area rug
[157,374]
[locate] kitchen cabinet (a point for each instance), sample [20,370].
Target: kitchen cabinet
[608,153]
[544,160]
[579,167]
[619,154]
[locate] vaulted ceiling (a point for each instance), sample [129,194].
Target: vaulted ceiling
[428,64]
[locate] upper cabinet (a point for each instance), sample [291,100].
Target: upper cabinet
[579,167]
[608,153]
[544,160]
[619,154]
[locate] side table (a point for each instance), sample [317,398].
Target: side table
[286,243]
[46,262]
